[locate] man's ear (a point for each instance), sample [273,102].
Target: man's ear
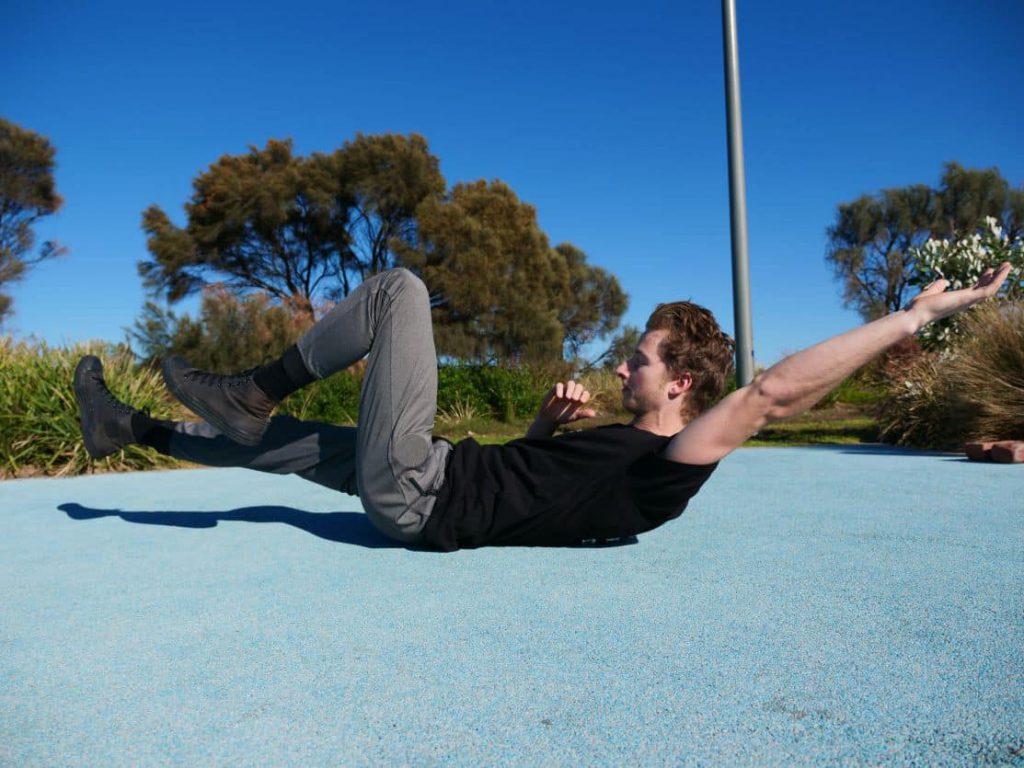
[680,385]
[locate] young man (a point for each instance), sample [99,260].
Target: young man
[603,483]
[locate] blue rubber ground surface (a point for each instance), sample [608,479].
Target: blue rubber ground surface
[857,606]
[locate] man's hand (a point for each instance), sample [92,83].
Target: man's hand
[935,302]
[562,404]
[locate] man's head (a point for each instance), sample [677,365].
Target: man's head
[684,348]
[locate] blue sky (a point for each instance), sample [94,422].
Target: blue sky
[608,118]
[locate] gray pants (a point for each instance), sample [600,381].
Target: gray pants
[389,460]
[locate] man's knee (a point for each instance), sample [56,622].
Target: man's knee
[402,280]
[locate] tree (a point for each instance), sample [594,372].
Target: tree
[293,227]
[622,346]
[387,176]
[596,302]
[28,192]
[502,294]
[230,333]
[871,243]
[966,197]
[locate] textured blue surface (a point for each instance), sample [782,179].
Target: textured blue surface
[851,605]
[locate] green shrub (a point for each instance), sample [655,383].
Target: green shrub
[39,428]
[500,392]
[488,392]
[860,389]
[334,400]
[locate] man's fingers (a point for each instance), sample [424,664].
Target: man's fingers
[563,401]
[1000,274]
[575,391]
[567,412]
[991,279]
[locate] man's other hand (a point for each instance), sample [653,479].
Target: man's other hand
[935,302]
[563,403]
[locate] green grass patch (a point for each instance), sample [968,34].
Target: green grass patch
[848,431]
[817,428]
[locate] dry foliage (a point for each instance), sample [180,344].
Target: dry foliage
[988,370]
[973,391]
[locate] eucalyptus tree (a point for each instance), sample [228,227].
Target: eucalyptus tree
[28,193]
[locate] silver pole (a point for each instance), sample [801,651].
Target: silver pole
[737,201]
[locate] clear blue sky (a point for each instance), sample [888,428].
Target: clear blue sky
[609,118]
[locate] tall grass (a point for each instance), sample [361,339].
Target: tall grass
[605,392]
[39,427]
[989,370]
[972,391]
[39,420]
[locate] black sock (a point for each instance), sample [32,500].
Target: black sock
[283,376]
[149,431]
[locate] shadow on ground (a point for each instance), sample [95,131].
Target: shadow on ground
[881,449]
[345,527]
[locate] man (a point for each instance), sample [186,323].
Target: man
[603,483]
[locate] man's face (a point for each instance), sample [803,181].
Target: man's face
[644,376]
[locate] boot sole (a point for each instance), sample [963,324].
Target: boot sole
[238,434]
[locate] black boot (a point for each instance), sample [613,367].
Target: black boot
[232,404]
[106,421]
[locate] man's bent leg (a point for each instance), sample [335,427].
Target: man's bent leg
[398,466]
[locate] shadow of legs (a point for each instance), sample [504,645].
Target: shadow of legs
[345,527]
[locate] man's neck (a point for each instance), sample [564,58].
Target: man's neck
[659,422]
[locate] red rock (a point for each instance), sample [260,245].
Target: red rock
[979,451]
[1008,452]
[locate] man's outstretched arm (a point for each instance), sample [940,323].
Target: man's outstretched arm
[796,383]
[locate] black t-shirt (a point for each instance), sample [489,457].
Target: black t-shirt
[602,483]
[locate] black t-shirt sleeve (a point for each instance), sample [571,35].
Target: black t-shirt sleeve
[661,488]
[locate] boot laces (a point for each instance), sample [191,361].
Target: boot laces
[119,407]
[220,379]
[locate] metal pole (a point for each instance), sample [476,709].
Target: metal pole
[737,201]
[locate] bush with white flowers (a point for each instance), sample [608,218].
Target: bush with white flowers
[961,262]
